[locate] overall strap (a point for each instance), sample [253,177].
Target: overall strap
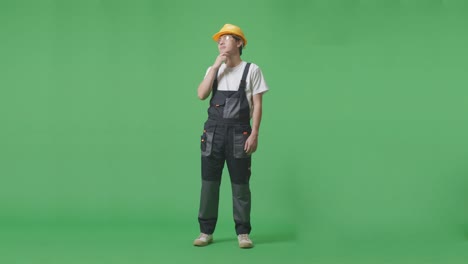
[244,76]
[215,83]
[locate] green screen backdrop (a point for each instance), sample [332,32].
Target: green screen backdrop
[362,150]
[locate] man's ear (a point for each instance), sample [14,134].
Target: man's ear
[240,44]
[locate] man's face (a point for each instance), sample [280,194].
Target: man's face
[227,43]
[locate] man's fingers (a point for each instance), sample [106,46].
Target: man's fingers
[249,149]
[252,150]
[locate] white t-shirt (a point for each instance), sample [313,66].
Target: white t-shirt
[229,80]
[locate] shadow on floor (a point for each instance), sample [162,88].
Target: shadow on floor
[224,239]
[263,238]
[270,238]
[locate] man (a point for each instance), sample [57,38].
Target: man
[236,89]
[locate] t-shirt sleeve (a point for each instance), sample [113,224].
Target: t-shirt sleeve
[258,82]
[206,73]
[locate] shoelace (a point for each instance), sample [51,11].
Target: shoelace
[203,236]
[244,237]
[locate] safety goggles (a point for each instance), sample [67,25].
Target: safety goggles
[226,38]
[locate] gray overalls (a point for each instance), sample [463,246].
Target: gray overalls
[223,140]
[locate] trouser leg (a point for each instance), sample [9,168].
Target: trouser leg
[241,200]
[212,168]
[208,212]
[239,170]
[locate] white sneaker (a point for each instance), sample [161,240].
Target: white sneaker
[244,241]
[203,240]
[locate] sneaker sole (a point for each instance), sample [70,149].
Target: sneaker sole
[202,244]
[245,245]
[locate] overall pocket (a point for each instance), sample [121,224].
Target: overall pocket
[207,140]
[217,106]
[241,134]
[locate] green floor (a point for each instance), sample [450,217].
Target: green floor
[171,243]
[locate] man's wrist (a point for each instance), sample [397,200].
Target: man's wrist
[254,133]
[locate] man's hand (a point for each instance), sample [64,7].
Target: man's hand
[251,144]
[220,59]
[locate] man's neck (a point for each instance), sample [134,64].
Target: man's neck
[233,62]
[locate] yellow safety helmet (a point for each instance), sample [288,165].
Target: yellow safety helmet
[230,29]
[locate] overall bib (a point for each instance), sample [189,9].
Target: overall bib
[223,140]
